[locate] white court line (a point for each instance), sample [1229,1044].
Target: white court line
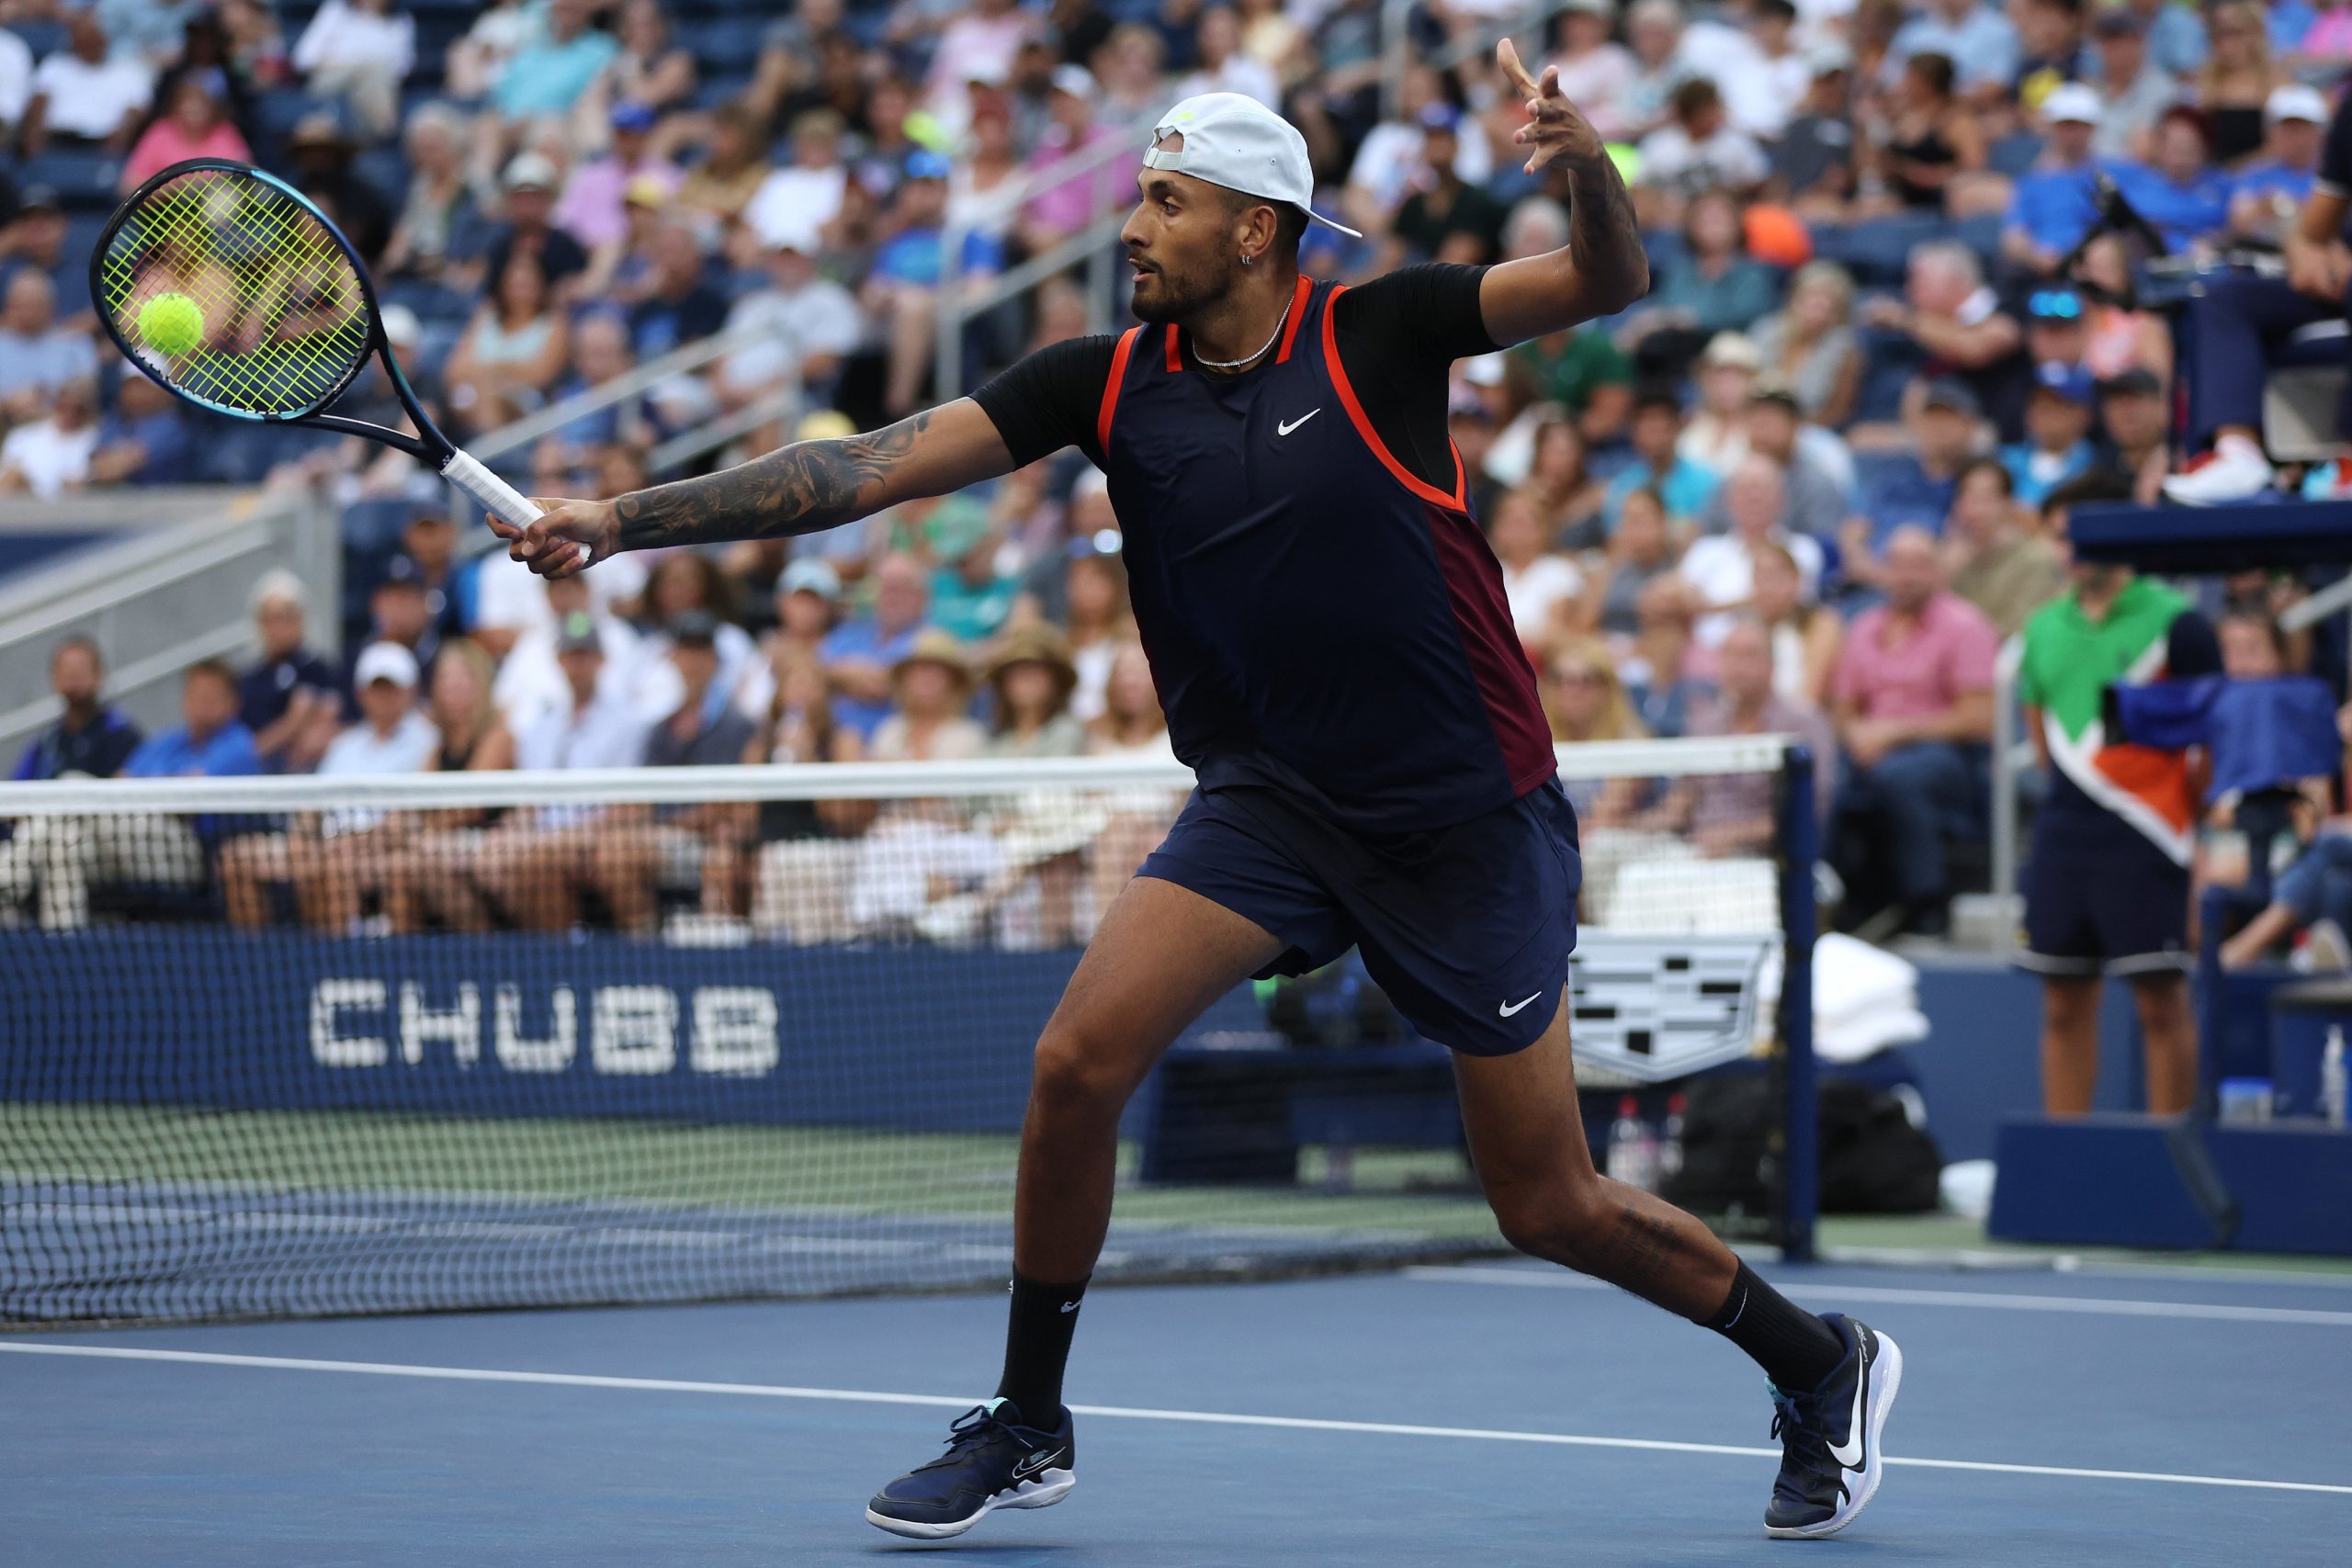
[1120,1412]
[1994,1301]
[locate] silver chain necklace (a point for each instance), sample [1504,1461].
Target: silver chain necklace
[1208,364]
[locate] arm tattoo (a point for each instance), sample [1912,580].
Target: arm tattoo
[799,489]
[1604,240]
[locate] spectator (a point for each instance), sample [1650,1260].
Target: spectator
[2135,91]
[1382,173]
[400,610]
[85,95]
[335,861]
[322,157]
[1641,550]
[1594,72]
[1545,589]
[1582,368]
[2055,202]
[1444,219]
[2134,417]
[1225,66]
[1716,436]
[1656,670]
[431,876]
[678,304]
[593,210]
[473,732]
[35,241]
[719,191]
[1653,35]
[474,64]
[806,195]
[1584,700]
[1955,323]
[15,86]
[1098,620]
[1732,815]
[1810,346]
[2268,188]
[2179,190]
[1914,489]
[682,585]
[1933,141]
[2051,38]
[360,51]
[2234,85]
[642,850]
[440,205]
[535,864]
[2107,883]
[1030,682]
[860,652]
[1699,150]
[1566,497]
[38,355]
[1717,288]
[292,699]
[1720,569]
[2057,330]
[144,442]
[1815,504]
[971,593]
[910,269]
[59,859]
[650,69]
[196,125]
[512,351]
[1991,562]
[1762,73]
[531,180]
[931,687]
[1132,725]
[1806,637]
[1914,703]
[429,551]
[1975,37]
[558,61]
[152,30]
[51,457]
[1812,164]
[89,738]
[1682,483]
[531,681]
[2177,45]
[808,323]
[2057,428]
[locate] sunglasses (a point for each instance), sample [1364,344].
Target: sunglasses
[2054,304]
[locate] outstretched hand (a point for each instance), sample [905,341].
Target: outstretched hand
[564,539]
[1554,127]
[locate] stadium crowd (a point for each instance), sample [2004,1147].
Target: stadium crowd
[1810,484]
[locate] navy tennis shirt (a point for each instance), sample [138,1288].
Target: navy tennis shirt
[1321,612]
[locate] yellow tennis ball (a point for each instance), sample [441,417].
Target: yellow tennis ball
[171,323]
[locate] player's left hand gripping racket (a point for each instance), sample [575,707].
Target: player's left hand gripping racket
[228,286]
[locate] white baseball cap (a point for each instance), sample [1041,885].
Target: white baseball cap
[2295,101]
[1234,140]
[2072,101]
[385,661]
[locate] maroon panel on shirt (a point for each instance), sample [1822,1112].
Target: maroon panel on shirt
[1474,587]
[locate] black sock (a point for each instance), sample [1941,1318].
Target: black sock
[1796,1349]
[1036,1347]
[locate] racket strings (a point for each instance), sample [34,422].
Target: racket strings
[282,319]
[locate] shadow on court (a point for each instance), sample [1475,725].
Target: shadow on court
[1492,1415]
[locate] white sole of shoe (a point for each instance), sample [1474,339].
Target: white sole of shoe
[1884,1384]
[1047,1489]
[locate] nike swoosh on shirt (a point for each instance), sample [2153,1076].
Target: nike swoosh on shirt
[1508,1009]
[1286,426]
[1851,1452]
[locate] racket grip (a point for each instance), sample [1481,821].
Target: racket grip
[469,474]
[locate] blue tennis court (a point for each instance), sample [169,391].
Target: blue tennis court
[1496,1414]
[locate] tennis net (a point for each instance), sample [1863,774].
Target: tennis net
[303,1046]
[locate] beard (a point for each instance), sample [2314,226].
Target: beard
[1173,295]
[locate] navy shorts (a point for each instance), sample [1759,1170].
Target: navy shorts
[2101,899]
[1467,928]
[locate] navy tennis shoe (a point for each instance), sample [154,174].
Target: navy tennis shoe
[1830,1461]
[992,1461]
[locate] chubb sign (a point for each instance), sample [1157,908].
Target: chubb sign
[631,1030]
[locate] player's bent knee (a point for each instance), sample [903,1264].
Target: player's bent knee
[1074,1075]
[1560,1221]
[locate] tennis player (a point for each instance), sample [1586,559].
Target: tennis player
[1328,634]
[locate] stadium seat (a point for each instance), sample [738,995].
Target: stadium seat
[1982,234]
[43,37]
[86,180]
[728,43]
[2013,154]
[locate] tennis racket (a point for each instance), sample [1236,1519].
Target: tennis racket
[230,288]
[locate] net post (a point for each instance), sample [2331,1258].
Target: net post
[1800,834]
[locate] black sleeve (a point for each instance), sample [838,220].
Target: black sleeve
[2192,647]
[1049,400]
[1398,337]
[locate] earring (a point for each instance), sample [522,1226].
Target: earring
[1246,258]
